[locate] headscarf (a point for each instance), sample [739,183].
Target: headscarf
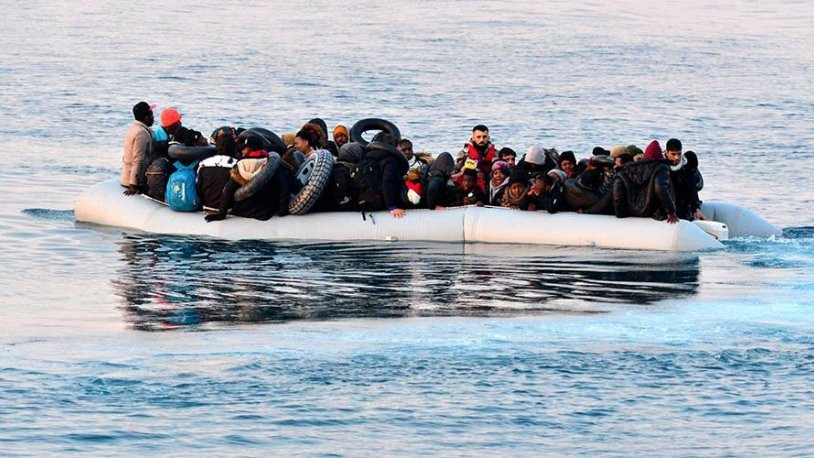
[653,151]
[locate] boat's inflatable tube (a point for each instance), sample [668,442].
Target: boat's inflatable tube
[313,174]
[105,204]
[363,125]
[741,221]
[258,181]
[188,154]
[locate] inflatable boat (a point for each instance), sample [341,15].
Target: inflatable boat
[104,204]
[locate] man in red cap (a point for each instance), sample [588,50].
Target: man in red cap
[138,146]
[176,133]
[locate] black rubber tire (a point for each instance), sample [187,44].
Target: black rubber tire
[188,154]
[275,141]
[363,125]
[314,174]
[241,140]
[261,179]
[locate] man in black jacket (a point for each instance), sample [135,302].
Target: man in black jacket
[392,166]
[644,189]
[683,177]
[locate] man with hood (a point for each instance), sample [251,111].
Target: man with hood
[683,177]
[644,188]
[479,151]
[178,133]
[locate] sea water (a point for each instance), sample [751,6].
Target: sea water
[117,342]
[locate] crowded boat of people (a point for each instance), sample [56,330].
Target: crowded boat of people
[254,173]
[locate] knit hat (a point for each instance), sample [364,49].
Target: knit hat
[503,166]
[568,156]
[599,151]
[558,174]
[633,150]
[288,138]
[653,151]
[519,176]
[617,150]
[535,155]
[340,129]
[169,116]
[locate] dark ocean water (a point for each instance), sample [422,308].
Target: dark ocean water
[122,343]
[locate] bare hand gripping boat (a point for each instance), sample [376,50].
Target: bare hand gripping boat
[104,204]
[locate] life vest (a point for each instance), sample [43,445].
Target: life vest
[484,162]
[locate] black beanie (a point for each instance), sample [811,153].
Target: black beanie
[519,176]
[599,151]
[253,143]
[568,156]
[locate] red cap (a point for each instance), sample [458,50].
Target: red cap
[169,116]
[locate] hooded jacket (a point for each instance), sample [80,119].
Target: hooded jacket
[684,182]
[393,167]
[644,189]
[213,174]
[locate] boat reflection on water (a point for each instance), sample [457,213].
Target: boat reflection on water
[165,283]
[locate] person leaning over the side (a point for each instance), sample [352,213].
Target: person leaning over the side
[138,144]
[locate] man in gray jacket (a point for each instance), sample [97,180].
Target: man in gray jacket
[138,143]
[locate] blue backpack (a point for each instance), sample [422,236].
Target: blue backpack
[181,195]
